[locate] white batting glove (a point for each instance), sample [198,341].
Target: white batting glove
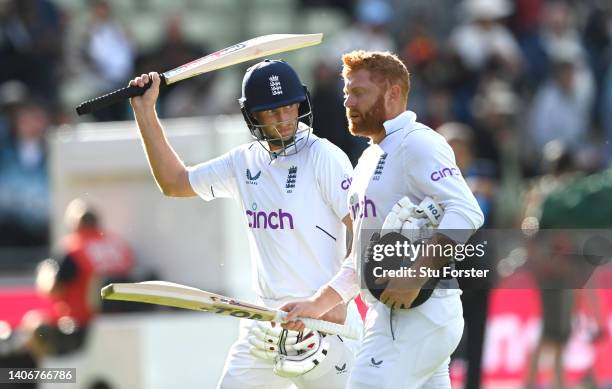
[401,211]
[269,342]
[293,353]
[430,209]
[264,340]
[414,221]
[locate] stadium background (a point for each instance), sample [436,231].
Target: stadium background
[506,77]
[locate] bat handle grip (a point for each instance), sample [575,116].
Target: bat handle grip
[114,97]
[331,328]
[327,327]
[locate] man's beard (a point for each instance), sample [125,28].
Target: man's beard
[370,122]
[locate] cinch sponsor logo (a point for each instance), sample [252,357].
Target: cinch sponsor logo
[274,220]
[364,208]
[346,183]
[445,172]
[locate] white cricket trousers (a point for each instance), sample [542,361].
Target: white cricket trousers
[419,356]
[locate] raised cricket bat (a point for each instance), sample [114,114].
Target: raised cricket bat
[241,52]
[186,297]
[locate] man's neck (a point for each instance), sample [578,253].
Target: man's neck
[274,147]
[379,136]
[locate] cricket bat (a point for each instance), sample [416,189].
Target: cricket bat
[241,52]
[186,297]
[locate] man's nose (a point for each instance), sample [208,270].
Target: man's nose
[349,102]
[286,116]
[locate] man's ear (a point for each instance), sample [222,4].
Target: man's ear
[395,92]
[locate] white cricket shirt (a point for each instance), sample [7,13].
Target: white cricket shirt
[293,207]
[414,161]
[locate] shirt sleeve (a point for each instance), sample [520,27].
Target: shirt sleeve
[334,174]
[432,171]
[214,178]
[345,282]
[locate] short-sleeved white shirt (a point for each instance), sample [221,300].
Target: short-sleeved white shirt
[293,207]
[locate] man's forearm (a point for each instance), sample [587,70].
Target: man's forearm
[336,314]
[165,164]
[327,298]
[344,283]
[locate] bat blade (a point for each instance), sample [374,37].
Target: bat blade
[181,296]
[241,52]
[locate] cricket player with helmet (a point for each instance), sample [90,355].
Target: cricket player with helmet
[407,181]
[292,188]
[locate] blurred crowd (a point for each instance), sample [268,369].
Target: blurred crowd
[521,88]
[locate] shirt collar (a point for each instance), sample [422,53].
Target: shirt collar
[403,120]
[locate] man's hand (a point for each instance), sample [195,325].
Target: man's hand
[326,300]
[305,308]
[400,293]
[148,99]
